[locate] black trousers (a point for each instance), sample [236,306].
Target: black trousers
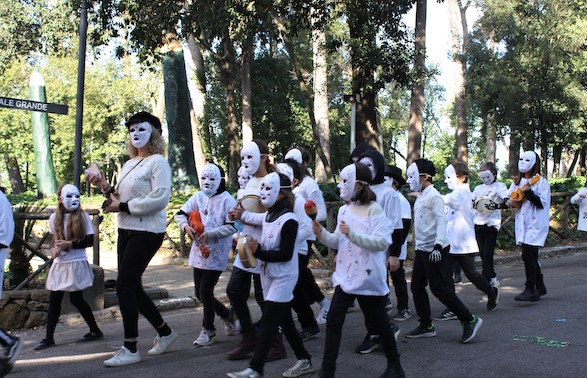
[486,240]
[135,251]
[204,283]
[398,278]
[532,266]
[303,297]
[238,289]
[467,263]
[76,298]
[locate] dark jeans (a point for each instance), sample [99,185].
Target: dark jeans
[238,290]
[77,299]
[274,315]
[401,286]
[135,251]
[204,283]
[426,272]
[486,239]
[374,309]
[303,297]
[532,266]
[467,263]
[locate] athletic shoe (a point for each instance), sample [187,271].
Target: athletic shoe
[122,358]
[470,329]
[493,301]
[207,337]
[446,314]
[232,328]
[402,315]
[494,282]
[369,344]
[422,331]
[161,343]
[323,314]
[13,350]
[396,330]
[300,368]
[44,344]
[308,333]
[394,370]
[456,278]
[247,373]
[90,336]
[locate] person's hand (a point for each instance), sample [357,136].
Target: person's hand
[393,263]
[63,245]
[190,232]
[344,228]
[524,188]
[414,194]
[113,206]
[236,213]
[203,238]
[436,255]
[252,244]
[97,179]
[514,204]
[316,228]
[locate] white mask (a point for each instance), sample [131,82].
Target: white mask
[251,158]
[388,181]
[347,182]
[294,154]
[243,177]
[527,161]
[70,197]
[413,178]
[369,163]
[210,179]
[140,133]
[269,189]
[486,177]
[450,177]
[286,170]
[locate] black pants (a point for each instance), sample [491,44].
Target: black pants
[467,263]
[532,266]
[486,240]
[303,297]
[274,315]
[398,278]
[77,299]
[238,289]
[309,282]
[426,272]
[204,283]
[374,309]
[135,251]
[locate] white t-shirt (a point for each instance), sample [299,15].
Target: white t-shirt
[582,202]
[310,190]
[429,220]
[304,226]
[74,254]
[459,220]
[497,191]
[388,198]
[531,222]
[252,222]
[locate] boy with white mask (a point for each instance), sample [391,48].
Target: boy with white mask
[532,214]
[432,249]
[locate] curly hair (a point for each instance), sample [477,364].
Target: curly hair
[156,145]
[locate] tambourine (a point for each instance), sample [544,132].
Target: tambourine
[486,205]
[252,203]
[246,256]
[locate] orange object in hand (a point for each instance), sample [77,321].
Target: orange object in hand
[517,194]
[195,222]
[311,209]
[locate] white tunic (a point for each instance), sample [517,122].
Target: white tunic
[254,222]
[582,202]
[406,214]
[304,226]
[388,198]
[429,220]
[310,190]
[278,279]
[532,222]
[459,220]
[497,191]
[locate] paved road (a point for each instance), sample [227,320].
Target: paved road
[507,345]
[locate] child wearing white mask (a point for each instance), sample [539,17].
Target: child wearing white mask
[488,221]
[532,214]
[210,249]
[72,231]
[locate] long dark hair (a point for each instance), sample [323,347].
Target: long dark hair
[264,150]
[534,171]
[364,195]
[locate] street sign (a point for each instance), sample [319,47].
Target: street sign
[46,107]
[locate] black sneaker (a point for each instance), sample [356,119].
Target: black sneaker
[393,371]
[422,331]
[446,314]
[44,344]
[470,329]
[493,301]
[369,344]
[13,350]
[402,315]
[308,333]
[91,336]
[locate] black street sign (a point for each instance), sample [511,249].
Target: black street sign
[36,106]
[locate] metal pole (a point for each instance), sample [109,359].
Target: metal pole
[79,108]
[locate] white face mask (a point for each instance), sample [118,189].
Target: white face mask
[388,181]
[413,178]
[347,182]
[243,177]
[450,177]
[527,161]
[140,134]
[286,170]
[70,197]
[210,179]
[369,163]
[251,158]
[486,177]
[270,189]
[294,154]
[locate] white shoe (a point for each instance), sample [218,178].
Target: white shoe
[122,358]
[300,368]
[206,338]
[161,343]
[247,373]
[494,282]
[323,314]
[232,328]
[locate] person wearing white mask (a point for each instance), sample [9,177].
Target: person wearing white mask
[362,237]
[488,221]
[210,248]
[72,231]
[580,198]
[140,198]
[276,250]
[431,258]
[532,214]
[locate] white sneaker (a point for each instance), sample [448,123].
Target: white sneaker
[494,282]
[161,343]
[122,358]
[247,373]
[207,337]
[323,314]
[300,368]
[232,328]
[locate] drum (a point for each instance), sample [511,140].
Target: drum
[246,256]
[251,203]
[486,205]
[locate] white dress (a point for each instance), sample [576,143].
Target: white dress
[532,222]
[459,221]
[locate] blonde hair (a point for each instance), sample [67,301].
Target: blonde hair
[76,226]
[156,145]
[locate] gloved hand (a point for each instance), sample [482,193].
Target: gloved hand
[435,255]
[491,206]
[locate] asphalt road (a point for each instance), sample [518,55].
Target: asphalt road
[542,339]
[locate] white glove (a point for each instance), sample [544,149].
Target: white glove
[435,255]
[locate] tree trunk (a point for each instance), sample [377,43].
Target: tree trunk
[247,117]
[514,151]
[14,174]
[417,97]
[490,136]
[557,152]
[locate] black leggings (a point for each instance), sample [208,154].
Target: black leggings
[486,239]
[204,283]
[303,297]
[534,276]
[238,290]
[77,299]
[135,251]
[467,262]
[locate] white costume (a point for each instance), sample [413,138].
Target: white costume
[252,222]
[406,212]
[459,219]
[497,191]
[6,232]
[531,222]
[582,202]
